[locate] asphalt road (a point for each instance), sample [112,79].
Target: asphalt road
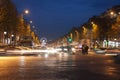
[59,67]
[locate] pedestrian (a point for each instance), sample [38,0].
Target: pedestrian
[86,49]
[83,49]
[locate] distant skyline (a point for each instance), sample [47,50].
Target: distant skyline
[54,18]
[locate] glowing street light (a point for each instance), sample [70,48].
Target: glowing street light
[5,33]
[12,39]
[115,42]
[26,12]
[119,13]
[5,36]
[31,22]
[33,27]
[12,35]
[111,13]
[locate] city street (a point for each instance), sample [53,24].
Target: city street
[60,40]
[59,67]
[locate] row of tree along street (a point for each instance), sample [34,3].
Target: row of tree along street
[12,24]
[98,31]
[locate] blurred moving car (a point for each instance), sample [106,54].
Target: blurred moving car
[113,52]
[100,50]
[66,49]
[108,51]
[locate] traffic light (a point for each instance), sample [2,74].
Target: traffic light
[69,40]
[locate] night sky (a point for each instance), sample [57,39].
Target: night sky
[54,18]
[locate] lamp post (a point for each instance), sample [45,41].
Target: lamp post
[91,39]
[12,39]
[25,12]
[115,42]
[91,35]
[23,23]
[5,33]
[77,35]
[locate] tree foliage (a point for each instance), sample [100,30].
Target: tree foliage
[8,16]
[115,29]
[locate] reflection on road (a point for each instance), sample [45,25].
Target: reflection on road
[60,66]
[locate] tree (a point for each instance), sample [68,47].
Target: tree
[115,29]
[8,16]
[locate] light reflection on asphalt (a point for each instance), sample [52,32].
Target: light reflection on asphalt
[58,67]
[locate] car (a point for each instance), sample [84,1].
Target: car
[100,50]
[113,51]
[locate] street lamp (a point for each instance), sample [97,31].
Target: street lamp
[91,35]
[12,35]
[84,31]
[115,42]
[33,27]
[77,35]
[91,39]
[12,38]
[113,14]
[119,13]
[5,33]
[26,11]
[31,22]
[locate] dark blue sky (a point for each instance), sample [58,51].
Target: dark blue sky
[54,18]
